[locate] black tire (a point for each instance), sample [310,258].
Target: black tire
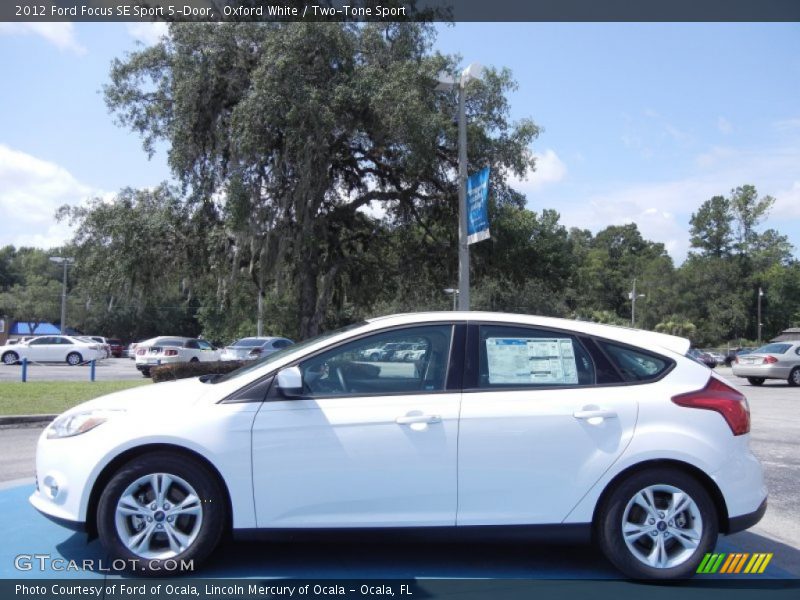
[212,507]
[794,377]
[194,359]
[74,359]
[756,380]
[145,372]
[611,517]
[10,358]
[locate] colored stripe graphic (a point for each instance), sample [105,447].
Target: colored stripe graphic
[734,563]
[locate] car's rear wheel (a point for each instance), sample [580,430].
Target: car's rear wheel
[658,524]
[73,358]
[756,380]
[161,510]
[794,377]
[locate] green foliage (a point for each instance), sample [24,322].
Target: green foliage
[677,325]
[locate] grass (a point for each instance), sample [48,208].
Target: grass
[52,397]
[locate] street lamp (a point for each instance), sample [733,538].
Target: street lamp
[454,292]
[633,296]
[65,261]
[446,83]
[760,295]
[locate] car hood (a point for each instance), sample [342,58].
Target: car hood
[158,397]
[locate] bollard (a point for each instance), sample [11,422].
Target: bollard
[91,371]
[24,370]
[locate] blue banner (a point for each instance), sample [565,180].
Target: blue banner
[478,206]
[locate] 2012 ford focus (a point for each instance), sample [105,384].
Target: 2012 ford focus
[526,424]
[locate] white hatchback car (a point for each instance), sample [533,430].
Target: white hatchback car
[522,423]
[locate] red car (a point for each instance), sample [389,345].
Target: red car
[116,347]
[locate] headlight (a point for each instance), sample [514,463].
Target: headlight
[78,423]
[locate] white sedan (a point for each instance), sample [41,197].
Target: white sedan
[166,350]
[526,424]
[53,348]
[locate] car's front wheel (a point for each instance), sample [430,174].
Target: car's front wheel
[755,380]
[10,358]
[159,511]
[658,524]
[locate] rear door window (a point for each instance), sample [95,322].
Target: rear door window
[634,364]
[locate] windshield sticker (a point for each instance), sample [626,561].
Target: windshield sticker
[531,360]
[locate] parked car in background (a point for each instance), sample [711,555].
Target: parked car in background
[778,360]
[116,346]
[702,357]
[568,429]
[717,356]
[251,348]
[172,349]
[101,341]
[53,348]
[730,357]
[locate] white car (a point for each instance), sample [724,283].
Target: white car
[53,348]
[251,348]
[166,350]
[526,424]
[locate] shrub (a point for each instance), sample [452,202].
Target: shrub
[193,369]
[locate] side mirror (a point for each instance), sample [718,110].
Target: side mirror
[290,382]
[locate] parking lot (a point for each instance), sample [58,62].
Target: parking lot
[109,369]
[775,439]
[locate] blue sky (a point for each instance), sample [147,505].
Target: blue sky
[642,122]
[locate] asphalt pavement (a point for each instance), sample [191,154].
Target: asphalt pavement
[109,369]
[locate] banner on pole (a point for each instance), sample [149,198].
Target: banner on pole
[478,206]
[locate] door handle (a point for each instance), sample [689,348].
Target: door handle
[411,419]
[595,414]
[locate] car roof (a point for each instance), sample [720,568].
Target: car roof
[625,335]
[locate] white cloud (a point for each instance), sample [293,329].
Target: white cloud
[724,125]
[149,33]
[61,35]
[550,169]
[31,190]
[662,210]
[787,202]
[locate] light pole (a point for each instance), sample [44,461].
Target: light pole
[633,296]
[454,292]
[65,261]
[760,295]
[446,82]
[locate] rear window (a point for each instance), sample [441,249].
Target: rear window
[773,349]
[248,343]
[634,364]
[170,342]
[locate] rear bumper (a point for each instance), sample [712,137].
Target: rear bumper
[742,522]
[765,371]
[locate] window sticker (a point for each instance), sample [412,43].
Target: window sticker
[531,360]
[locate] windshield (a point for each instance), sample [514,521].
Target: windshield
[773,349]
[276,356]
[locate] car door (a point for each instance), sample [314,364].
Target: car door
[42,349]
[536,430]
[368,443]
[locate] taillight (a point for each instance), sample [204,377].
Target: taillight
[722,398]
[770,360]
[170,353]
[141,352]
[736,359]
